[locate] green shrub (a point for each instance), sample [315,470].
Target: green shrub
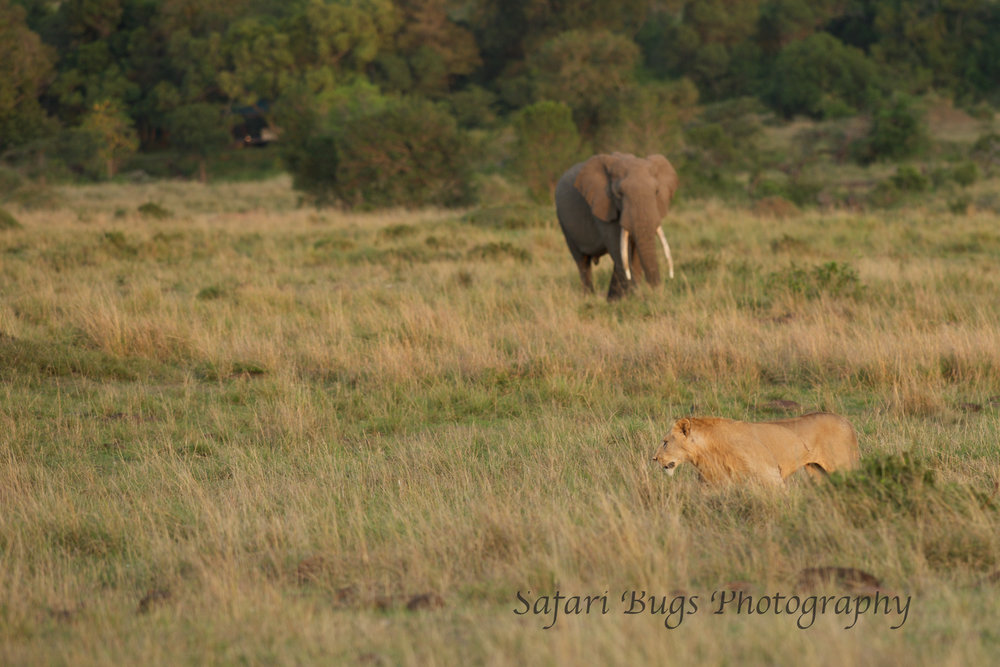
[314,168]
[510,216]
[473,107]
[909,179]
[154,210]
[8,221]
[896,482]
[499,250]
[965,174]
[835,279]
[821,77]
[547,144]
[898,132]
[408,152]
[959,205]
[986,150]
[905,486]
[10,180]
[802,191]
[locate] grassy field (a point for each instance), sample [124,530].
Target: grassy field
[236,431]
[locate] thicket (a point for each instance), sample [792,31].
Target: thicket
[88,83]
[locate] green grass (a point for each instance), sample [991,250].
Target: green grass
[248,432]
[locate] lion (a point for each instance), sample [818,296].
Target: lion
[726,450]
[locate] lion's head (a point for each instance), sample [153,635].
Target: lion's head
[675,447]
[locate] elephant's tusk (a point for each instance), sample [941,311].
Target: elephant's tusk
[666,249]
[628,271]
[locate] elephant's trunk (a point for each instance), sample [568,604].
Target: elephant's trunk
[646,248]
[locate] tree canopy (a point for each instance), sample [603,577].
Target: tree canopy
[162,64]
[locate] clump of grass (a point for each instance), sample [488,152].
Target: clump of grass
[210,293]
[35,197]
[8,221]
[789,244]
[909,179]
[20,358]
[511,216]
[155,211]
[213,371]
[891,482]
[960,205]
[116,241]
[774,207]
[397,231]
[333,243]
[499,250]
[835,279]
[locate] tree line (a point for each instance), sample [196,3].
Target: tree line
[86,83]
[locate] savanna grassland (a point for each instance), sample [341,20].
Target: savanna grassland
[234,430]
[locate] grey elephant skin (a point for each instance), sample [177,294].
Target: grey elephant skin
[612,204]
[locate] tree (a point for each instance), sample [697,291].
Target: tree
[198,129]
[260,62]
[652,119]
[28,67]
[822,78]
[429,51]
[781,22]
[587,71]
[112,130]
[547,144]
[707,41]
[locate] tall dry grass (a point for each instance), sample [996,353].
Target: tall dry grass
[258,435]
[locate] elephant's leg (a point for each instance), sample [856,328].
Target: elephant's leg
[620,285]
[583,265]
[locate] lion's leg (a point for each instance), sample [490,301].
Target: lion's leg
[773,477]
[816,471]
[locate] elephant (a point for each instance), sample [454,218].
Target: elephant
[613,204]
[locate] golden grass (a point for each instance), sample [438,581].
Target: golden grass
[257,434]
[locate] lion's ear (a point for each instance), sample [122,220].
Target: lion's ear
[685,426]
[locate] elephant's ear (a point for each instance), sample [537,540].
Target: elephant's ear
[593,183]
[666,181]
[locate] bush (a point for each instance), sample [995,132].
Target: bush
[986,150]
[153,210]
[547,145]
[897,482]
[726,135]
[821,77]
[651,119]
[8,221]
[473,107]
[898,132]
[965,174]
[407,153]
[10,180]
[199,129]
[314,168]
[833,279]
[909,179]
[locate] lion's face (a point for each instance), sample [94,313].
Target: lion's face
[673,451]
